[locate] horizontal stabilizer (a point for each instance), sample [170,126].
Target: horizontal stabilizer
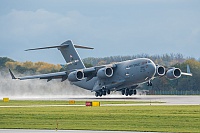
[83,47]
[60,46]
[63,45]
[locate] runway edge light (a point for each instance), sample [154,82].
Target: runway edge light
[6,99]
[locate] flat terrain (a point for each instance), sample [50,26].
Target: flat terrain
[61,131]
[30,114]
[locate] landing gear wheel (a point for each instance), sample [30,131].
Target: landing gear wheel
[96,94]
[108,91]
[130,92]
[134,92]
[127,92]
[123,92]
[104,93]
[100,94]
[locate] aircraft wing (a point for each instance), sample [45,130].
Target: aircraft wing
[49,76]
[92,72]
[171,72]
[88,72]
[186,74]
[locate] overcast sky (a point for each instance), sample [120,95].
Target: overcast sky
[112,27]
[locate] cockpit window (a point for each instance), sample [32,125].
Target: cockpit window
[149,61]
[145,62]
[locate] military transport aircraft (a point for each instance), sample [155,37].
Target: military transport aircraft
[122,76]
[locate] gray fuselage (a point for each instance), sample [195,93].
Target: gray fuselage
[125,74]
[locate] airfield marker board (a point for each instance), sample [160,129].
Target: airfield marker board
[6,99]
[95,104]
[71,102]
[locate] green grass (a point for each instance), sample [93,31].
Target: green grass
[128,118]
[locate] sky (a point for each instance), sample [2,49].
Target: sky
[112,27]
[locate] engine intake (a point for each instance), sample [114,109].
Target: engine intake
[75,76]
[160,71]
[105,72]
[173,73]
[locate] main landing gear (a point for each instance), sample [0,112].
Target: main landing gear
[102,92]
[128,92]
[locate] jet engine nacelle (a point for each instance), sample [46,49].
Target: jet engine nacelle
[160,70]
[173,73]
[75,76]
[105,72]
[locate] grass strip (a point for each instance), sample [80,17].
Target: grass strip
[128,118]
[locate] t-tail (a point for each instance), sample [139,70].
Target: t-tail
[71,56]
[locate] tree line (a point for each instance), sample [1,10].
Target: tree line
[161,83]
[28,66]
[165,59]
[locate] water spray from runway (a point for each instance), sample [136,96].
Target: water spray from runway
[41,89]
[37,88]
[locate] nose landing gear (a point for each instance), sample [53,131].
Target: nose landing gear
[149,83]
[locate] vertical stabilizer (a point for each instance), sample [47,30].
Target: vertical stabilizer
[71,56]
[68,50]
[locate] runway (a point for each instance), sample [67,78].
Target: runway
[165,99]
[150,100]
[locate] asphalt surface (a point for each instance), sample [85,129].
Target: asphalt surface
[166,99]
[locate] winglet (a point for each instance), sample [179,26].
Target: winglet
[188,71]
[12,75]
